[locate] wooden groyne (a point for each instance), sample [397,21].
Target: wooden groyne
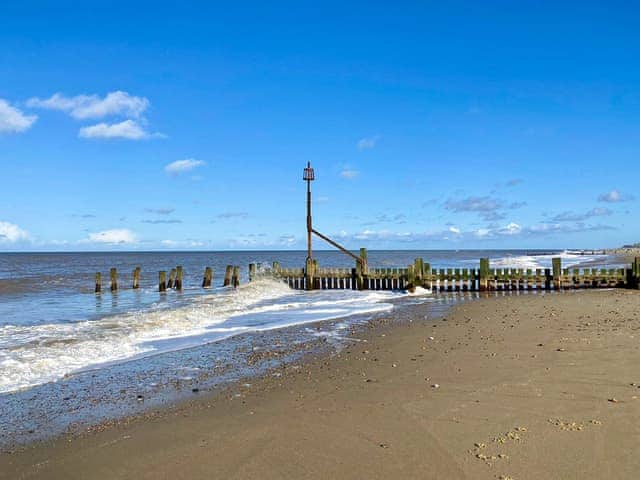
[419,274]
[483,278]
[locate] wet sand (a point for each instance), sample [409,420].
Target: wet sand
[531,386]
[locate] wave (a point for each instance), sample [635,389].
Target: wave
[36,354]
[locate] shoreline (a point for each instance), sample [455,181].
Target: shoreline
[520,386]
[116,393]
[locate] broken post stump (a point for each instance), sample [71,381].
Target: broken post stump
[227,276]
[179,275]
[114,279]
[136,277]
[208,276]
[162,281]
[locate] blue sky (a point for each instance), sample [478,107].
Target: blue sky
[140,125]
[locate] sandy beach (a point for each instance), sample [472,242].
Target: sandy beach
[520,387]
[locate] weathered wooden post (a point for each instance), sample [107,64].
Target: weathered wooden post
[309,274]
[172,278]
[556,263]
[114,280]
[208,276]
[136,278]
[179,276]
[98,282]
[636,273]
[411,278]
[227,276]
[426,276]
[162,281]
[236,277]
[276,268]
[252,272]
[361,269]
[484,274]
[547,279]
[418,269]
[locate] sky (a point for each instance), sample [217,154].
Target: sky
[430,125]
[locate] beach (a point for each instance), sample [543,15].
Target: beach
[518,386]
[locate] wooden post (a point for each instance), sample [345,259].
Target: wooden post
[98,282]
[276,268]
[547,279]
[411,279]
[484,274]
[172,278]
[236,277]
[227,275]
[309,274]
[557,272]
[162,281]
[252,272]
[208,276]
[136,278]
[426,276]
[361,269]
[114,280]
[179,275]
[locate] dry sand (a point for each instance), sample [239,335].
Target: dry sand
[522,387]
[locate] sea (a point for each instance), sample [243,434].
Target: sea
[60,343]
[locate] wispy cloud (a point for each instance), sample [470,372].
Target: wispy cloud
[11,233]
[13,120]
[113,237]
[349,173]
[488,208]
[181,166]
[127,129]
[163,220]
[160,211]
[456,234]
[368,143]
[228,215]
[615,196]
[399,218]
[84,107]
[570,216]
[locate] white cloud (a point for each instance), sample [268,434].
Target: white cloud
[127,129]
[10,233]
[116,103]
[349,174]
[368,143]
[12,120]
[182,243]
[614,196]
[115,236]
[455,230]
[181,166]
[511,229]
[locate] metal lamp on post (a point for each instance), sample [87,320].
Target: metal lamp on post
[309,176]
